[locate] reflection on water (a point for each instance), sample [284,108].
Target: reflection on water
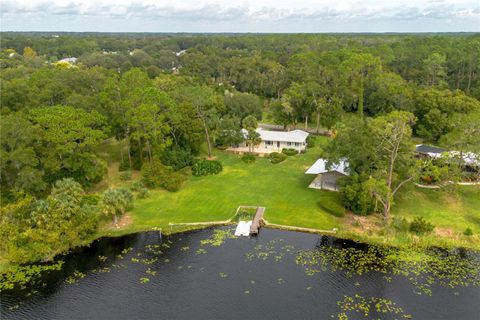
[207,274]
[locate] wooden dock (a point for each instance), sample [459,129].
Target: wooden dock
[257,221]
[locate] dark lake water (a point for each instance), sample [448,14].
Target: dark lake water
[143,276]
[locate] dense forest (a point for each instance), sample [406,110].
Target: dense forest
[170,99]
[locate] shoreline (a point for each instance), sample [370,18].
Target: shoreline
[175,228]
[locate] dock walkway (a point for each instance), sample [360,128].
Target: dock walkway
[257,221]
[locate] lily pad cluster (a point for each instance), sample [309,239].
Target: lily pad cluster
[421,268]
[367,308]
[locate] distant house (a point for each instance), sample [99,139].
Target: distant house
[470,159]
[327,178]
[180,53]
[69,60]
[429,151]
[275,141]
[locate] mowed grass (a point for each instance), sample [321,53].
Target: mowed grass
[451,209]
[281,188]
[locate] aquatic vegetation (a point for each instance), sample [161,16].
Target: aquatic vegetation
[102,258]
[280,281]
[201,251]
[222,274]
[75,277]
[421,268]
[144,280]
[151,272]
[153,248]
[22,275]
[126,250]
[362,307]
[149,261]
[246,291]
[263,252]
[185,248]
[218,238]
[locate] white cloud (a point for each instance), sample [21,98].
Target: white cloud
[243,13]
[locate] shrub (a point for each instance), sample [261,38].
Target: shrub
[137,185]
[156,174]
[468,232]
[206,167]
[432,173]
[222,147]
[310,141]
[173,182]
[177,158]
[125,175]
[289,151]
[91,199]
[400,224]
[248,158]
[421,226]
[142,193]
[276,157]
[116,202]
[355,195]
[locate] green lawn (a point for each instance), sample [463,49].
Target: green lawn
[281,188]
[454,209]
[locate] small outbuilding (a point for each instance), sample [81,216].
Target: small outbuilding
[327,177]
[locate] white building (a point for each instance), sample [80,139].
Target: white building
[275,141]
[69,60]
[326,178]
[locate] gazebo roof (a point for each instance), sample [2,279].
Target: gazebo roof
[320,166]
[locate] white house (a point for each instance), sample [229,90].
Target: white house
[326,178]
[275,141]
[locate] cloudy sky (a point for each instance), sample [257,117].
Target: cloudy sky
[240,15]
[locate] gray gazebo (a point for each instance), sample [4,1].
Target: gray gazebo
[326,178]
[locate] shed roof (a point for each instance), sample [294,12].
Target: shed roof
[299,136]
[320,166]
[422,148]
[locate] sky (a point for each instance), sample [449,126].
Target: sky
[306,16]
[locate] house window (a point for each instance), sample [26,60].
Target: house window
[268,143]
[297,144]
[289,144]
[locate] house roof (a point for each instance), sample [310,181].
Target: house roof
[69,60]
[320,166]
[422,148]
[299,136]
[469,158]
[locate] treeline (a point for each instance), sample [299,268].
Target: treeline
[250,60]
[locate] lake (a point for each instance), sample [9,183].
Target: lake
[207,274]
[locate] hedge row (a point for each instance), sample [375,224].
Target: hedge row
[289,151]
